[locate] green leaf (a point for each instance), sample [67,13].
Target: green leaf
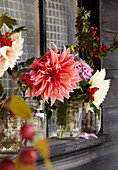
[19,29]
[4,96]
[29,61]
[7,20]
[1,89]
[84,83]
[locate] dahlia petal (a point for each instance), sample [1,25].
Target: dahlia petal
[55,47]
[5,28]
[27,93]
[63,55]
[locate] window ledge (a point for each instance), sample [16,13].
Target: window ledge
[62,147]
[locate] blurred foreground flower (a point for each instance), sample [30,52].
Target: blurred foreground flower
[54,75]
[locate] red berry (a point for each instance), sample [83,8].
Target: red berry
[100,46]
[92,98]
[96,56]
[91,54]
[104,49]
[9,40]
[92,93]
[94,50]
[7,164]
[95,89]
[100,50]
[92,28]
[4,40]
[2,44]
[117,43]
[13,115]
[96,28]
[88,90]
[28,131]
[82,49]
[2,36]
[103,45]
[7,34]
[28,156]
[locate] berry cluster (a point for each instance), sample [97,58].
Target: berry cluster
[5,40]
[91,92]
[87,39]
[26,78]
[27,156]
[93,31]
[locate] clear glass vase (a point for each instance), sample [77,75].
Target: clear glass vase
[11,140]
[73,118]
[68,119]
[91,123]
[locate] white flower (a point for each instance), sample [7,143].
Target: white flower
[9,55]
[97,80]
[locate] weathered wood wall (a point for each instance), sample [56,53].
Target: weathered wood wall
[109,27]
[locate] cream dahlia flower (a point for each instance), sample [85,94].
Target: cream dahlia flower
[9,54]
[97,80]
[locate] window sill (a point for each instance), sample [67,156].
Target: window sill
[63,147]
[60,148]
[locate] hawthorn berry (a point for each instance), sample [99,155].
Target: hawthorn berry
[82,49]
[28,131]
[88,90]
[7,34]
[2,36]
[13,115]
[96,28]
[100,50]
[104,49]
[95,89]
[91,97]
[117,43]
[7,164]
[95,55]
[28,156]
[92,28]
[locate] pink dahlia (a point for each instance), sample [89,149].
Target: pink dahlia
[54,75]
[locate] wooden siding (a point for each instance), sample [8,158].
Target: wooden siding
[109,25]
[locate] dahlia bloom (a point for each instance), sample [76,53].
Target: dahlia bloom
[54,75]
[85,69]
[10,53]
[97,80]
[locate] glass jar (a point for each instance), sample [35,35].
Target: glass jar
[90,121]
[11,140]
[72,118]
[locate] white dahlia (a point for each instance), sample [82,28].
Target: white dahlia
[97,80]
[9,54]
